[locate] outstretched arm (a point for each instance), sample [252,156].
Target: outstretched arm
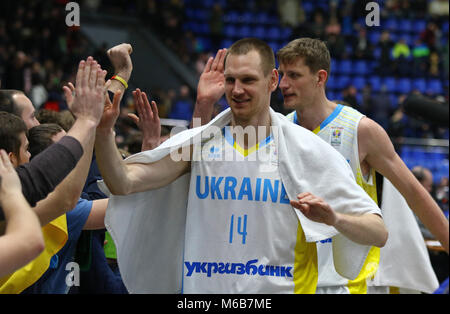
[90,93]
[122,178]
[367,229]
[377,150]
[210,89]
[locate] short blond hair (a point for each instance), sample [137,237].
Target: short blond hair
[314,52]
[245,45]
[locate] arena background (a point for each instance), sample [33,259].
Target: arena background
[374,68]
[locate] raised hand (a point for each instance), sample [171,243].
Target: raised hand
[147,120]
[111,112]
[211,85]
[89,91]
[121,61]
[315,208]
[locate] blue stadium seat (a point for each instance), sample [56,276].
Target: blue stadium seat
[434,86]
[231,17]
[375,82]
[420,84]
[273,33]
[342,81]
[262,18]
[419,26]
[259,32]
[226,43]
[373,36]
[405,26]
[361,67]
[332,82]
[230,31]
[403,86]
[359,82]
[390,24]
[390,83]
[244,31]
[345,67]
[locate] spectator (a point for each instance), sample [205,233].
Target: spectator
[421,53]
[86,215]
[362,49]
[291,13]
[401,54]
[385,44]
[381,107]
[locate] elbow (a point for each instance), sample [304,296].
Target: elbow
[383,237]
[36,246]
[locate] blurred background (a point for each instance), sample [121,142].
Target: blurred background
[373,68]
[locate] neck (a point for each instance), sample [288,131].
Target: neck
[310,117]
[248,132]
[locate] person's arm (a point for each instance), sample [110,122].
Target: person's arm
[43,173]
[377,150]
[147,120]
[96,219]
[210,89]
[122,178]
[23,240]
[86,106]
[366,229]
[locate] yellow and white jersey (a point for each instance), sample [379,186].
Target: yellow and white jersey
[340,130]
[242,235]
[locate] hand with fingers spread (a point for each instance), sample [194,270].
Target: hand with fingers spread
[211,86]
[315,208]
[147,120]
[89,91]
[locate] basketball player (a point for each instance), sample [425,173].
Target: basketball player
[242,234]
[304,66]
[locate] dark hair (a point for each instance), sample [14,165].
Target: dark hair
[11,126]
[7,102]
[40,137]
[245,45]
[63,118]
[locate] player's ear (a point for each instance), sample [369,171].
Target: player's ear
[322,76]
[274,80]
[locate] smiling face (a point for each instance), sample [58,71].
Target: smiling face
[247,89]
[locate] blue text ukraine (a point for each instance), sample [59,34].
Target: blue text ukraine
[231,188]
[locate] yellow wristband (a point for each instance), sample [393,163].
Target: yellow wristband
[121,80]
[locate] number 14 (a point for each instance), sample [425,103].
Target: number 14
[241,228]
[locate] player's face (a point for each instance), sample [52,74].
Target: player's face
[247,89]
[298,84]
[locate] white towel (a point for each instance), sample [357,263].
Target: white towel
[148,227]
[404,260]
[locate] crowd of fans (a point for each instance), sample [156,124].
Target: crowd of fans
[39,55]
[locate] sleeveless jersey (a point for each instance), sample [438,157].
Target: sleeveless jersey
[340,130]
[242,235]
